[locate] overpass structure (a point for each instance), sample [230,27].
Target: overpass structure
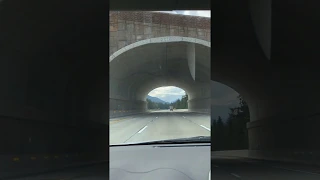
[150,50]
[53,75]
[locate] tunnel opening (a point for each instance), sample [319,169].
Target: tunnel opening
[229,117]
[140,67]
[167,98]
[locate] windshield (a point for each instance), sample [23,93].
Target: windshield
[159,76]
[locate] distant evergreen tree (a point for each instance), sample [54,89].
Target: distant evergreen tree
[214,135]
[220,133]
[181,103]
[156,105]
[178,104]
[184,101]
[233,134]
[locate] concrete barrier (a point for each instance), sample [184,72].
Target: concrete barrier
[123,113]
[301,157]
[202,111]
[304,157]
[231,153]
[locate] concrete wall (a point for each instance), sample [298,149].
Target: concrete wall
[121,104]
[285,132]
[116,114]
[127,27]
[122,107]
[296,156]
[119,108]
[200,105]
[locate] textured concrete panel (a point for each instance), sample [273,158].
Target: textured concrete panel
[146,25]
[147,30]
[130,27]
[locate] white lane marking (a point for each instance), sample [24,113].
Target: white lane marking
[215,166]
[156,117]
[205,127]
[235,175]
[210,175]
[296,170]
[142,129]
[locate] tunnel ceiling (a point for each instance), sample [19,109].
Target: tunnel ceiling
[147,67]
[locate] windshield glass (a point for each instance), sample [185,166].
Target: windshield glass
[159,76]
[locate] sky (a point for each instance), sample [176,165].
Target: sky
[193,13]
[168,93]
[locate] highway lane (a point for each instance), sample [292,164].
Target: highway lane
[159,125]
[233,168]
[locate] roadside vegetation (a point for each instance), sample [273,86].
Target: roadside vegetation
[231,134]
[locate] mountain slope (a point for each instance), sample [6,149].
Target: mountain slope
[155,99]
[171,98]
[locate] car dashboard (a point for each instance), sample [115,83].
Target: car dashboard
[165,161]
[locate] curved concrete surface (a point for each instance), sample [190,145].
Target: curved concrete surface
[136,72]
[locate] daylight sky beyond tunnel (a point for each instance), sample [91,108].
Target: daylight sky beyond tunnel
[167,93]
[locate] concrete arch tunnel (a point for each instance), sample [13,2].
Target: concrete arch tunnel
[55,78]
[164,61]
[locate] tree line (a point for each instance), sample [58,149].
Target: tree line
[178,104]
[231,134]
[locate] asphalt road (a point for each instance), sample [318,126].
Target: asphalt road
[158,125]
[223,168]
